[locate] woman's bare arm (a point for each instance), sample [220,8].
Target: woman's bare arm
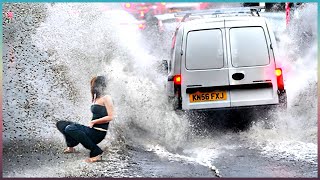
[107,101]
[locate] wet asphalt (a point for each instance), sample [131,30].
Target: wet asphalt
[43,159]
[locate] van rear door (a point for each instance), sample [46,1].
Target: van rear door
[204,69]
[252,66]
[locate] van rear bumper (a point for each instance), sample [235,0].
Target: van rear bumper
[256,107]
[281,105]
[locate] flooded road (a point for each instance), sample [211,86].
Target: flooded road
[50,53]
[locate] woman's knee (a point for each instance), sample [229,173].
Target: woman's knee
[61,125]
[70,128]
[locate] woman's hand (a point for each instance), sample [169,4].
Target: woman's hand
[91,123]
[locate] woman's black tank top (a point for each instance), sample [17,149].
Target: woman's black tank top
[99,111]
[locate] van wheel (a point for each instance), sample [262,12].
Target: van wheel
[283,101]
[174,102]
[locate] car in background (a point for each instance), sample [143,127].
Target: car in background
[142,10]
[166,25]
[138,10]
[165,8]
[178,7]
[269,6]
[124,20]
[161,21]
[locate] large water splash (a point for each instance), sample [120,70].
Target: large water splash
[294,133]
[91,42]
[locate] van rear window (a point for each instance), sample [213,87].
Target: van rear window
[204,49]
[248,47]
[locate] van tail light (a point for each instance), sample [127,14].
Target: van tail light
[177,79]
[278,72]
[279,75]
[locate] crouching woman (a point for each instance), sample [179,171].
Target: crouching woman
[91,135]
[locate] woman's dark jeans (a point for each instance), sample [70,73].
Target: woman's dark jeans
[77,133]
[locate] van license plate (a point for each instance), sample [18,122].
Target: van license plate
[208,96]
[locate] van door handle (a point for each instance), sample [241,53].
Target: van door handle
[237,76]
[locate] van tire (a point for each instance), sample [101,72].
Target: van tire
[174,102]
[283,101]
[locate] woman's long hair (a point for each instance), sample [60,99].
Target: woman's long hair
[98,86]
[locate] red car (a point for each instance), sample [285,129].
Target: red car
[138,10]
[141,10]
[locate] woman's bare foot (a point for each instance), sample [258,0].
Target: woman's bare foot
[69,150]
[94,159]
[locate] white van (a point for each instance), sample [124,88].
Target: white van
[224,62]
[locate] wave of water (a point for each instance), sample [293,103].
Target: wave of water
[294,133]
[90,43]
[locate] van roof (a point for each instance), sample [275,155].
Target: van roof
[251,19]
